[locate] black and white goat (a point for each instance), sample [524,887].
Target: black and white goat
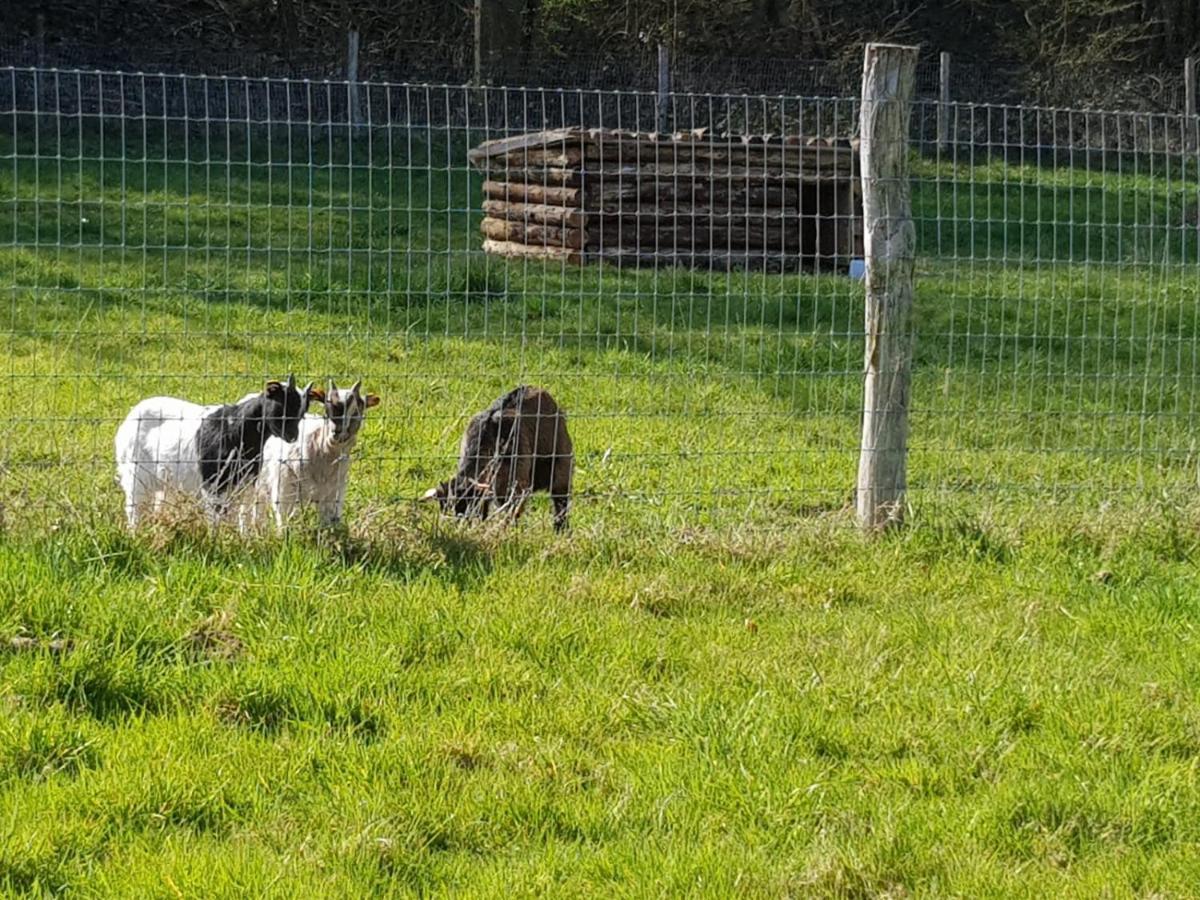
[170,446]
[515,447]
[316,468]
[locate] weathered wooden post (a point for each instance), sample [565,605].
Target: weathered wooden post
[498,32]
[889,247]
[1189,101]
[41,40]
[662,119]
[356,116]
[943,110]
[41,56]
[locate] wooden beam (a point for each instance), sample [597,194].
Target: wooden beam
[1189,103]
[531,251]
[533,193]
[943,109]
[663,111]
[356,116]
[705,156]
[890,247]
[631,196]
[745,239]
[540,140]
[702,216]
[535,213]
[498,35]
[534,235]
[551,176]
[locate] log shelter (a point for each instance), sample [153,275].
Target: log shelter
[760,202]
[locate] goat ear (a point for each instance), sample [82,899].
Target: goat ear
[291,382]
[313,393]
[357,389]
[501,414]
[371,400]
[332,387]
[434,493]
[273,388]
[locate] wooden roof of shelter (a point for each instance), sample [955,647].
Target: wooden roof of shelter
[575,147]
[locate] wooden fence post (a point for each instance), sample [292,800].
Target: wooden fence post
[479,62]
[499,26]
[943,110]
[41,57]
[662,119]
[889,247]
[1189,100]
[356,116]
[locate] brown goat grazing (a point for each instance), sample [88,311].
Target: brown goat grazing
[516,446]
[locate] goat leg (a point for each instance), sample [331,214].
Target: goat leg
[518,504]
[562,508]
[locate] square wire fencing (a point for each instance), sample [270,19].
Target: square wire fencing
[683,292]
[1056,303]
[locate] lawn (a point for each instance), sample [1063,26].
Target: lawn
[713,685]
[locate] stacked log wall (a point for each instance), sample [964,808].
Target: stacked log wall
[636,199]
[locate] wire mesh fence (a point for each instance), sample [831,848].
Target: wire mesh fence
[633,65]
[686,300]
[1057,289]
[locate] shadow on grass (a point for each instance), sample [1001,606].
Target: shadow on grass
[271,708]
[401,540]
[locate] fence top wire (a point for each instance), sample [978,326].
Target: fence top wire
[415,85]
[628,67]
[647,96]
[643,95]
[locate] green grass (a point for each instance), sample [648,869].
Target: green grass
[713,686]
[970,708]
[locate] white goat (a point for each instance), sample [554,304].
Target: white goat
[167,445]
[316,468]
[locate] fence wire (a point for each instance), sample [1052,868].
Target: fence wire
[194,236]
[1057,312]
[627,66]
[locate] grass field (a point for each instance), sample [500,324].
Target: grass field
[713,685]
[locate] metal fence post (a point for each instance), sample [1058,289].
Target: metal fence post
[889,246]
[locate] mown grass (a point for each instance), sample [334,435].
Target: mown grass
[713,685]
[974,707]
